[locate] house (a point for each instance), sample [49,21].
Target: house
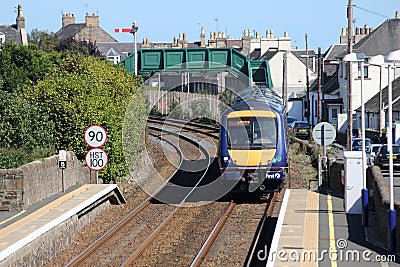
[15,32]
[88,31]
[380,41]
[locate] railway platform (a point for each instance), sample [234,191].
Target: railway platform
[314,230]
[22,232]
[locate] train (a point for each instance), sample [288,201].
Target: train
[252,148]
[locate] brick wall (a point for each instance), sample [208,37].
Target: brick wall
[35,181]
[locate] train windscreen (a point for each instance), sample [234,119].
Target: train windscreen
[252,133]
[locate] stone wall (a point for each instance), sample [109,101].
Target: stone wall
[379,200]
[35,181]
[334,180]
[44,248]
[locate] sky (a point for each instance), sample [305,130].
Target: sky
[161,21]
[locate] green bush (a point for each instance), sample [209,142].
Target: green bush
[47,100]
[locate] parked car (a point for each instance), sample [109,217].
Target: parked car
[382,156]
[290,120]
[374,150]
[357,145]
[301,129]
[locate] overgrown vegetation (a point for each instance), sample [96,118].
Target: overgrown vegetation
[48,99]
[302,163]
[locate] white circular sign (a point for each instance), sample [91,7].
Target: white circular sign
[95,136]
[96,159]
[324,133]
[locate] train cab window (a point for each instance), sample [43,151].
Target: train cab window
[252,133]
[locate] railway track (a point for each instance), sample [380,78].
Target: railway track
[170,191]
[210,130]
[160,234]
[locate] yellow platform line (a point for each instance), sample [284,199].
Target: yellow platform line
[332,241]
[15,216]
[43,210]
[310,234]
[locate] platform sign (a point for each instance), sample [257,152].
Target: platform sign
[96,159]
[95,136]
[62,159]
[324,133]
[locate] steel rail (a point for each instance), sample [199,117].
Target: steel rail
[138,252]
[183,122]
[268,212]
[213,235]
[113,230]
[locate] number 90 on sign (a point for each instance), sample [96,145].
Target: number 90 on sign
[95,136]
[96,159]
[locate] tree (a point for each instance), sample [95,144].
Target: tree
[87,48]
[83,91]
[44,40]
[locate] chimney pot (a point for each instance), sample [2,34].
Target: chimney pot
[397,14]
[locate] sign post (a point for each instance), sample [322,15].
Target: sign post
[62,164]
[324,134]
[96,158]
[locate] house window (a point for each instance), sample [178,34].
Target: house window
[334,113]
[114,59]
[365,70]
[2,38]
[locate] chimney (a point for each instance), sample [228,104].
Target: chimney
[68,19]
[202,37]
[257,35]
[20,18]
[184,36]
[215,35]
[397,15]
[92,20]
[366,29]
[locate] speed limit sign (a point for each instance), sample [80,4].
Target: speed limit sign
[96,159]
[95,136]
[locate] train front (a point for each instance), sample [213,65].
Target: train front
[252,147]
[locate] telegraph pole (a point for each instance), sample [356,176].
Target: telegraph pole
[284,82]
[349,74]
[307,84]
[319,85]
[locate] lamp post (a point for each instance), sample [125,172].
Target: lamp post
[360,57]
[392,58]
[379,61]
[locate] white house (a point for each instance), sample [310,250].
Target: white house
[381,41]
